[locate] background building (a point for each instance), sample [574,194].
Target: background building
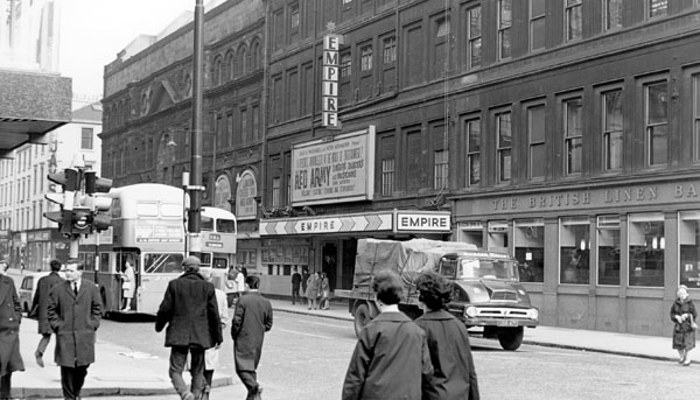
[31,239]
[563,132]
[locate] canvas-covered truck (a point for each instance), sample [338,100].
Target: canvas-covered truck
[487,292]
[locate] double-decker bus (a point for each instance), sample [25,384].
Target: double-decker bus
[148,230]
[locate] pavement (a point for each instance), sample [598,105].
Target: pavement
[119,371]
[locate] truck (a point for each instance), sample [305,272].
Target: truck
[487,294]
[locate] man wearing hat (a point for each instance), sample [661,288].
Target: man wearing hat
[190,310]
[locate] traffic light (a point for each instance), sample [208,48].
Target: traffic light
[99,205]
[69,180]
[80,221]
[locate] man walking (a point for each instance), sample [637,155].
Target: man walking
[190,310]
[74,313]
[253,317]
[40,304]
[296,284]
[10,318]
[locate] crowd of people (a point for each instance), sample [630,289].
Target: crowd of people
[394,357]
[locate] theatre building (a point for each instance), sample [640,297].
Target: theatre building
[566,133]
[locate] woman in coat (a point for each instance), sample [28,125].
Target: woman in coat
[391,357]
[325,293]
[683,315]
[312,287]
[448,341]
[10,317]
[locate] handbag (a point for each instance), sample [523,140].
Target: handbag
[692,322]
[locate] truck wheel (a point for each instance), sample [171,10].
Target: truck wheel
[362,318]
[510,338]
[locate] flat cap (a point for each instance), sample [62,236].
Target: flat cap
[191,260]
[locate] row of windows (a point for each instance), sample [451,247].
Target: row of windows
[578,254]
[232,64]
[25,217]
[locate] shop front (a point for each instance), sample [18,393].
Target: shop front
[328,243]
[603,258]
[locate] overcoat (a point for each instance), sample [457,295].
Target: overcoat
[313,284]
[683,333]
[10,318]
[389,362]
[74,319]
[252,318]
[189,309]
[454,376]
[40,303]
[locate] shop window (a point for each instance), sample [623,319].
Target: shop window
[441,159]
[498,238]
[388,170]
[647,245]
[608,231]
[689,241]
[574,19]
[537,24]
[574,251]
[696,118]
[505,23]
[529,249]
[474,37]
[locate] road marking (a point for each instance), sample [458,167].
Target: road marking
[312,335]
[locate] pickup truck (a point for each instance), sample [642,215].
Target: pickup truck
[487,292]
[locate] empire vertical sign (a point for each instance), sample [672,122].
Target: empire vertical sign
[331,71]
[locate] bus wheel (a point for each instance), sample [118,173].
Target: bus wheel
[362,318]
[510,338]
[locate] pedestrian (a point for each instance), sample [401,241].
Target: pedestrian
[296,283]
[240,282]
[312,286]
[304,282]
[683,315]
[325,292]
[10,318]
[40,305]
[391,357]
[190,310]
[74,314]
[211,356]
[252,318]
[128,282]
[454,376]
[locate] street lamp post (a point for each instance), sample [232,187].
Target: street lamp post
[195,212]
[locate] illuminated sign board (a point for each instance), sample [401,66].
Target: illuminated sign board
[417,221]
[331,71]
[340,169]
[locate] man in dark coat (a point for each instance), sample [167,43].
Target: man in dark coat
[10,317]
[296,285]
[190,310]
[74,314]
[39,308]
[252,318]
[391,358]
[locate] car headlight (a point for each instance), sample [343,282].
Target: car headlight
[533,313]
[470,312]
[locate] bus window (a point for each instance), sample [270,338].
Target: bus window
[221,263]
[226,226]
[104,262]
[154,263]
[205,258]
[207,224]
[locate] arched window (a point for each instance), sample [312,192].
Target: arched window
[255,55]
[216,71]
[242,53]
[228,66]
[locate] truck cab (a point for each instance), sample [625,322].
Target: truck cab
[487,294]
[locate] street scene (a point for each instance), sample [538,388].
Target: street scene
[314,199]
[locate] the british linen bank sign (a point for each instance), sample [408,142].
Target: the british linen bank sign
[331,71]
[339,169]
